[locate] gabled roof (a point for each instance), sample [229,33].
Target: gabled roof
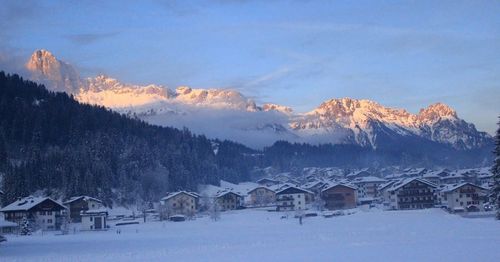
[453,187]
[386,185]
[406,181]
[27,203]
[84,198]
[223,193]
[368,179]
[294,189]
[339,184]
[264,187]
[170,195]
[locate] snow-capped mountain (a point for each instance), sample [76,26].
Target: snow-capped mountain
[56,74]
[228,114]
[363,121]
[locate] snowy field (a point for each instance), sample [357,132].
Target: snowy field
[253,235]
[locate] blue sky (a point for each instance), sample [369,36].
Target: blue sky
[406,54]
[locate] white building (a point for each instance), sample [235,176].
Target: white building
[367,188]
[42,212]
[292,198]
[94,219]
[463,197]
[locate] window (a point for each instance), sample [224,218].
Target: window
[49,213]
[91,219]
[299,202]
[49,221]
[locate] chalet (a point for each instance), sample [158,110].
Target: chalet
[339,196]
[79,204]
[411,193]
[463,197]
[43,212]
[261,196]
[229,200]
[291,198]
[367,188]
[179,203]
[94,219]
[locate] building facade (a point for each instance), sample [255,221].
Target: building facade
[339,196]
[291,198]
[411,193]
[42,212]
[79,204]
[179,203]
[261,196]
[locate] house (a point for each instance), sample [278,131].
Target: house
[94,219]
[78,204]
[42,212]
[261,196]
[291,198]
[411,193]
[339,196]
[463,197]
[179,203]
[229,200]
[367,188]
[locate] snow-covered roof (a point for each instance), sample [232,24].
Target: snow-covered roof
[386,185]
[338,184]
[293,187]
[406,181]
[85,198]
[27,203]
[265,187]
[225,192]
[452,187]
[170,195]
[368,179]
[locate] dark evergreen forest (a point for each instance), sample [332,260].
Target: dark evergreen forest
[50,142]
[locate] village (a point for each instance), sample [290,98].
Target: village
[317,192]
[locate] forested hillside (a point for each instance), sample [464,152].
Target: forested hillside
[50,142]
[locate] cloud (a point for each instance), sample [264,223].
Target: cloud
[89,38]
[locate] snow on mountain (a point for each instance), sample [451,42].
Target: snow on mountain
[228,114]
[283,109]
[362,121]
[215,98]
[109,92]
[56,74]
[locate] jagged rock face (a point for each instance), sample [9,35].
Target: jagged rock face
[438,123]
[57,74]
[279,108]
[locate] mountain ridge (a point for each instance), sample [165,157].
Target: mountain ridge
[342,120]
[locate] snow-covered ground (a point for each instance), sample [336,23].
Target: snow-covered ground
[253,235]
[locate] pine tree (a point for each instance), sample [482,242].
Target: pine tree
[25,227]
[496,171]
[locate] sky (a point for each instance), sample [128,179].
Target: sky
[404,54]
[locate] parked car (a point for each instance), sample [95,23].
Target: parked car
[178,218]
